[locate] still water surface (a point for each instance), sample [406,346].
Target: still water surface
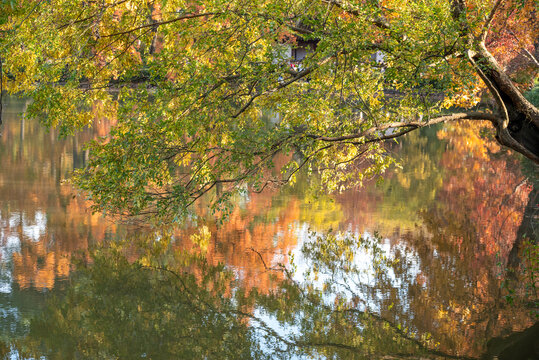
[412,266]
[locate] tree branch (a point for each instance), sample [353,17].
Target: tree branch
[77,20]
[486,27]
[378,21]
[159,23]
[412,124]
[505,138]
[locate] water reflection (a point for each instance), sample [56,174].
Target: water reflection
[431,281]
[450,218]
[41,222]
[170,303]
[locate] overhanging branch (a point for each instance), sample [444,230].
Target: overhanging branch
[159,23]
[411,125]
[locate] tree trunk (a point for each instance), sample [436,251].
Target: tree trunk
[518,127]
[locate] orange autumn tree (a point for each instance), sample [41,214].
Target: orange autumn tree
[514,38]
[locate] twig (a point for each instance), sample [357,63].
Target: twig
[490,17]
[189,16]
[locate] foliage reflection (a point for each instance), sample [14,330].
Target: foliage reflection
[167,302]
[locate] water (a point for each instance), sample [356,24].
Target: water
[414,265]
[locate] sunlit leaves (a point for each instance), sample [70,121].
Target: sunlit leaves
[190,82]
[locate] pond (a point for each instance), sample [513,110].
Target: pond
[436,261]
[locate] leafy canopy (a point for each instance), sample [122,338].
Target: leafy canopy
[204,94]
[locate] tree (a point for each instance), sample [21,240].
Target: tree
[205,94]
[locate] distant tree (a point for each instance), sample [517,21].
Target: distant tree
[204,92]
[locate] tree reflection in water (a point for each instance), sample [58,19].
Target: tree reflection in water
[167,302]
[449,219]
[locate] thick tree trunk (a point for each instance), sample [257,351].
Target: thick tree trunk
[518,127]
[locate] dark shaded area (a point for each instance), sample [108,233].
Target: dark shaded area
[528,229]
[525,132]
[518,346]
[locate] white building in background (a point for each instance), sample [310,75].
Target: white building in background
[378,57]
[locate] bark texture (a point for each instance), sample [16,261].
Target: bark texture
[518,123]
[518,127]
